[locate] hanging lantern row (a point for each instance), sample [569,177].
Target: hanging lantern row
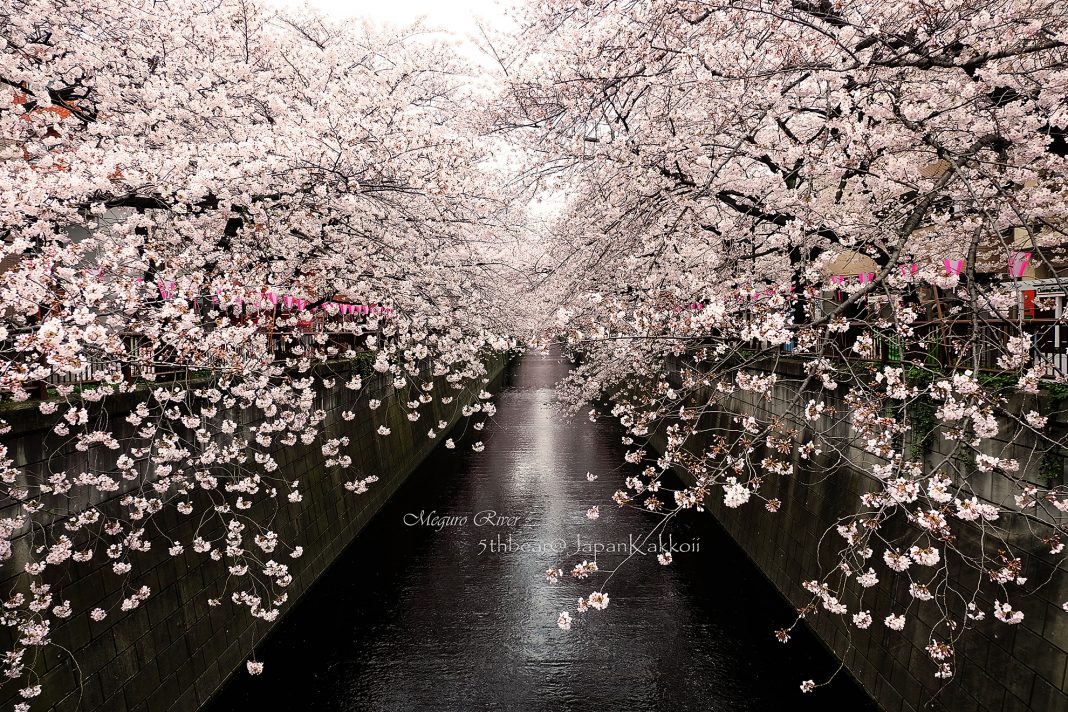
[168,291]
[1018,262]
[767,292]
[753,296]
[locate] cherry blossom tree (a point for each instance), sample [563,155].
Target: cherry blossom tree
[791,238]
[217,208]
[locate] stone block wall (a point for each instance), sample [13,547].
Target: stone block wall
[174,651]
[1000,667]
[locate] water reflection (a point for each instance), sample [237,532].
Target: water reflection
[429,616]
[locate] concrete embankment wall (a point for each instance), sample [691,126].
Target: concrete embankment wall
[174,651]
[1000,667]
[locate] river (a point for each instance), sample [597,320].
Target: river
[440,605]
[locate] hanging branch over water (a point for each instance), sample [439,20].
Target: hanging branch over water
[846,191]
[164,164]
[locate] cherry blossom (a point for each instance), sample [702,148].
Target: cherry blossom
[220,232]
[847,192]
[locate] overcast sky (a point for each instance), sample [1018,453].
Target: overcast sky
[459,16]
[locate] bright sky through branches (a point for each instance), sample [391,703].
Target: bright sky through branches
[457,16]
[466,19]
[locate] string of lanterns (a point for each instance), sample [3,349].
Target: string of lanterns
[168,291]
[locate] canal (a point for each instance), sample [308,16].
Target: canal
[456,615]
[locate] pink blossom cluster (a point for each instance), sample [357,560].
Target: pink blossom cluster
[278,147]
[909,156]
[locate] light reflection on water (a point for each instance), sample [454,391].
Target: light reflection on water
[414,617]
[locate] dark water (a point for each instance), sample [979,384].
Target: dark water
[410,618]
